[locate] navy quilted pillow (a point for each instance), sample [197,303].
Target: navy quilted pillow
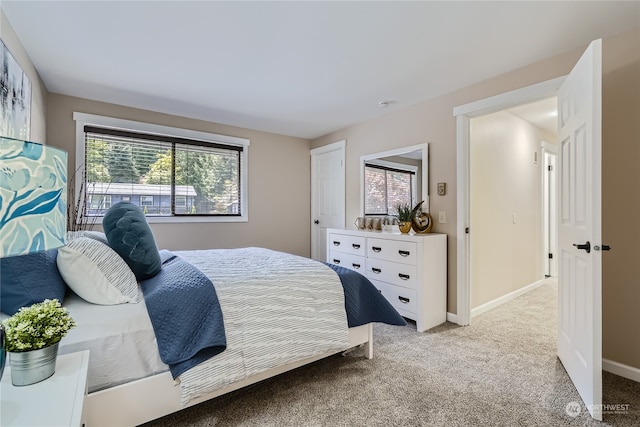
[28,279]
[131,237]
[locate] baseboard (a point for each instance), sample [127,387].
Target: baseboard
[504,299]
[621,370]
[452,317]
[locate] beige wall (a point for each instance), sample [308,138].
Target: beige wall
[621,199]
[432,121]
[279,175]
[38,90]
[506,255]
[279,171]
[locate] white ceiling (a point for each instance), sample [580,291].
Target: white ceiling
[296,68]
[543,114]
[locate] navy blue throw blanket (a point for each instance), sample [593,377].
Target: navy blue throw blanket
[363,301]
[185,313]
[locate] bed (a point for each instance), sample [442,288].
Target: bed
[168,330]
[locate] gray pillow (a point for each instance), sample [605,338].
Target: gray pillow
[131,237]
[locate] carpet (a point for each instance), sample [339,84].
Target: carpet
[500,371]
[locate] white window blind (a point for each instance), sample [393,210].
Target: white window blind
[164,175]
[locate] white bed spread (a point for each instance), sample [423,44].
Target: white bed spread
[120,338]
[278,308]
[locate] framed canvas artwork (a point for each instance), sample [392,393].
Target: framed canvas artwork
[15,97]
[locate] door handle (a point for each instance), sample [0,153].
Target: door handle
[603,247]
[585,246]
[316,221]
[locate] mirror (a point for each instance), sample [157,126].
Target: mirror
[408,161]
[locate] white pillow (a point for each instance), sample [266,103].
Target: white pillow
[95,235]
[96,272]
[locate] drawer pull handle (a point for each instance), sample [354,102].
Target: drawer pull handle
[404,300]
[355,246]
[376,249]
[336,243]
[355,265]
[403,276]
[336,261]
[404,253]
[376,270]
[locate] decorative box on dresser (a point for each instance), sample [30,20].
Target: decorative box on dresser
[410,270]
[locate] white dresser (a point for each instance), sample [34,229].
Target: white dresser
[410,270]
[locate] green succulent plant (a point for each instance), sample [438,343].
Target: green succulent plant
[404,212]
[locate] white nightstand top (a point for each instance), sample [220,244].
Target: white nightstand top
[56,401]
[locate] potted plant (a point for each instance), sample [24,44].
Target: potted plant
[31,339]
[404,217]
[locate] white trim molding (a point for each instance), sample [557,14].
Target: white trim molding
[329,147]
[621,370]
[505,298]
[463,114]
[452,317]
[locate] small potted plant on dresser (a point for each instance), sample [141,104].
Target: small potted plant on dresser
[404,217]
[31,338]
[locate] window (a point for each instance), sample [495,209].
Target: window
[181,201]
[146,200]
[387,185]
[98,203]
[173,174]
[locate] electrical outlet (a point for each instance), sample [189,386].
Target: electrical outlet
[442,188]
[442,217]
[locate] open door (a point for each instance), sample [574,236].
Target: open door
[579,227]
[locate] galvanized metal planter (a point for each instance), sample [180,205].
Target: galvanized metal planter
[30,367]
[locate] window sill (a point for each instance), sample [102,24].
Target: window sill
[184,219]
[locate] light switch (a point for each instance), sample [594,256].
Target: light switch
[442,188]
[442,217]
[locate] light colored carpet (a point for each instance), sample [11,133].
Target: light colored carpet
[500,371]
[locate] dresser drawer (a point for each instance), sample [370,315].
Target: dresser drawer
[353,262]
[392,250]
[402,299]
[354,245]
[392,272]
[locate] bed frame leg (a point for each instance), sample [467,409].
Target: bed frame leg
[368,346]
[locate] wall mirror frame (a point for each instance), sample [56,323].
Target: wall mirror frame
[416,154]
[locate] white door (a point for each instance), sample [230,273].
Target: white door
[327,195]
[579,228]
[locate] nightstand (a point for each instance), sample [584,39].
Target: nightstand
[56,401]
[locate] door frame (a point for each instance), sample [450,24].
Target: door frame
[463,114]
[335,146]
[549,210]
